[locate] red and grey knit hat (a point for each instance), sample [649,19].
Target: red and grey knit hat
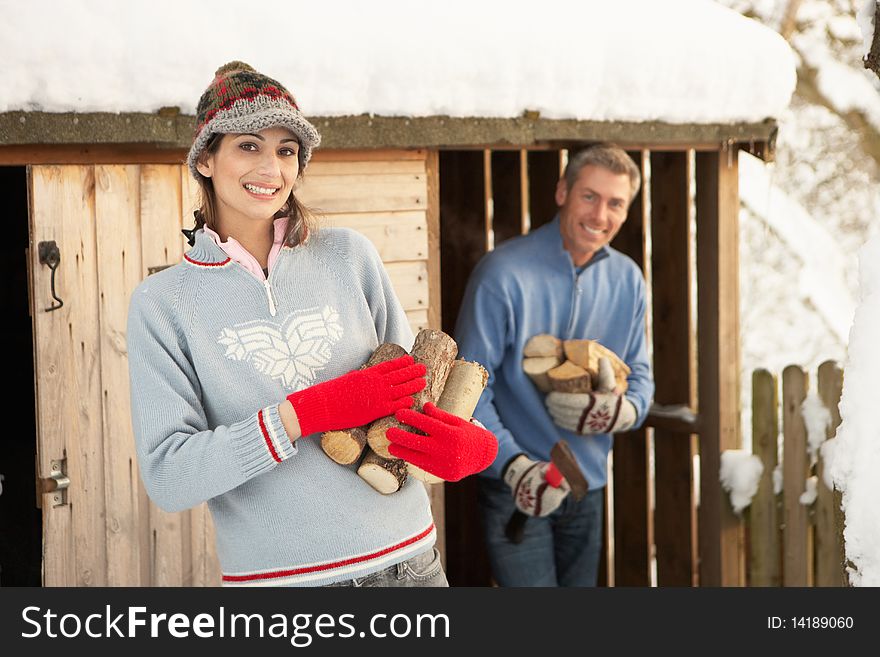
[242,100]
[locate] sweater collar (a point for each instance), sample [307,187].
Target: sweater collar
[551,238]
[206,252]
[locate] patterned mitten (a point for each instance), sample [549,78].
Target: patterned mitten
[452,448]
[591,412]
[537,486]
[359,397]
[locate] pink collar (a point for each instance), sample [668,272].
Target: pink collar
[238,253]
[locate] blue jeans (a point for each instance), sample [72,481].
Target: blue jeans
[561,549]
[423,569]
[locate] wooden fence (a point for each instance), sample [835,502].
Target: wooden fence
[789,543]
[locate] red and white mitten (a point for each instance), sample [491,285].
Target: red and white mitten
[538,487]
[591,412]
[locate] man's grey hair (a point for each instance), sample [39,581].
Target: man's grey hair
[608,156]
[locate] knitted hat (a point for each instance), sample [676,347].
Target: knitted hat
[242,100]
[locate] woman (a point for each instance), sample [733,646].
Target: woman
[250,346]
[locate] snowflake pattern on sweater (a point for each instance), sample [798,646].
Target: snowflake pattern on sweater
[293,352]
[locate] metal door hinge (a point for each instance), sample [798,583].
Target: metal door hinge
[56,484]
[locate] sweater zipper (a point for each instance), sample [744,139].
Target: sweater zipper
[575,305]
[268,288]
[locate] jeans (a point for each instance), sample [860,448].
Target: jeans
[423,569]
[561,549]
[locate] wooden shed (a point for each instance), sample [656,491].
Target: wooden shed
[433,194]
[96,201]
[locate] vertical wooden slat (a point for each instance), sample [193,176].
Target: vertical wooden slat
[830,558]
[506,195]
[543,172]
[462,244]
[67,364]
[432,168]
[633,527]
[674,363]
[162,244]
[202,554]
[765,540]
[795,470]
[717,205]
[119,268]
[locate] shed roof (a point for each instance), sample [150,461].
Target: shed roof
[672,62]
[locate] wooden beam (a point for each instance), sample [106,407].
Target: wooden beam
[717,205]
[432,167]
[633,522]
[462,244]
[675,521]
[175,130]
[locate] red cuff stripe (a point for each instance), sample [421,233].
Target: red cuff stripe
[267,438]
[329,566]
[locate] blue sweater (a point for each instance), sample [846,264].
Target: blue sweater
[527,286]
[212,352]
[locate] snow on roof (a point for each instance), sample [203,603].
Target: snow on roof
[677,61]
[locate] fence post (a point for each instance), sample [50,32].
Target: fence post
[795,469]
[829,515]
[765,566]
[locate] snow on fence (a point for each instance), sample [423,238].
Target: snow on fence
[795,522]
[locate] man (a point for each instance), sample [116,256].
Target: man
[562,279]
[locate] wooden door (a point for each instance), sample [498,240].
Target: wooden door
[110,224]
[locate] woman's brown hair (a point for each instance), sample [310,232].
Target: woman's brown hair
[301,222]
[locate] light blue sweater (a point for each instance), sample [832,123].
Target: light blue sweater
[528,286]
[212,352]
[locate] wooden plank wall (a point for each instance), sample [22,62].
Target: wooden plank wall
[113,223]
[384,195]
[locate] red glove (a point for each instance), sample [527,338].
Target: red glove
[452,448]
[359,397]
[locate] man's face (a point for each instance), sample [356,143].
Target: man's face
[592,211]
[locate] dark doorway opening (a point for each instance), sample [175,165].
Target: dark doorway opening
[20,518]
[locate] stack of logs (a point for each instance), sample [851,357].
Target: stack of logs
[453,385]
[569,365]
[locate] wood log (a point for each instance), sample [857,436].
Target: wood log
[536,369]
[462,391]
[385,475]
[437,352]
[345,446]
[568,377]
[543,346]
[586,354]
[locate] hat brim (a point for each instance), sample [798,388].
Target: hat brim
[271,117]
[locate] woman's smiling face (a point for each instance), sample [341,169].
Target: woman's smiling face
[252,174]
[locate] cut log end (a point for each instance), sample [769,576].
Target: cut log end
[568,377]
[385,475]
[344,447]
[544,346]
[536,369]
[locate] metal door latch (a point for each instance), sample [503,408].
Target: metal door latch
[56,483]
[49,254]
